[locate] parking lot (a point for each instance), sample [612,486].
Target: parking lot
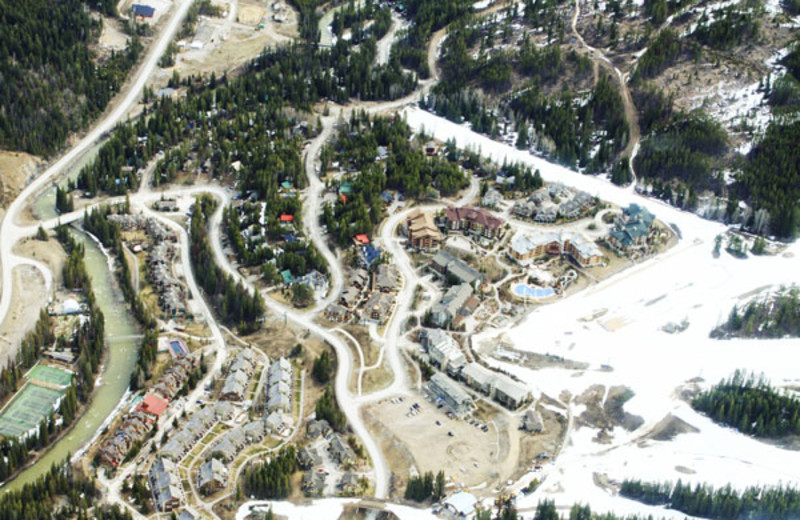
[470,454]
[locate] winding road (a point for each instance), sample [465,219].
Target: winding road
[391,341]
[131,94]
[631,114]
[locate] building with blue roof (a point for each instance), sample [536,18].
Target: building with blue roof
[633,228]
[145,11]
[369,255]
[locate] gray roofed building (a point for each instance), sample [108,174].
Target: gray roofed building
[165,482]
[314,483]
[446,310]
[177,446]
[454,397]
[532,422]
[244,361]
[308,457]
[385,278]
[213,475]
[337,313]
[230,444]
[359,278]
[498,386]
[255,431]
[279,403]
[278,422]
[570,209]
[349,484]
[318,427]
[539,196]
[221,412]
[546,215]
[379,307]
[280,387]
[279,393]
[478,377]
[510,393]
[449,265]
[235,386]
[492,198]
[341,451]
[443,350]
[524,208]
[280,370]
[194,429]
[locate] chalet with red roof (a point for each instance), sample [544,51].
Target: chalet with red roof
[153,405]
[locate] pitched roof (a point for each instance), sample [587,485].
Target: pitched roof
[143,10]
[287,276]
[153,405]
[462,503]
[477,215]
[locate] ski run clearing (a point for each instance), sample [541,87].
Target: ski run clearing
[686,282]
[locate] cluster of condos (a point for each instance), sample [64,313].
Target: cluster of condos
[445,354]
[632,231]
[138,423]
[213,474]
[425,233]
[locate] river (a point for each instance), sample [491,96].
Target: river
[114,377]
[44,207]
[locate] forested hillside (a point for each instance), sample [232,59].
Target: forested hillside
[426,17]
[222,121]
[777,315]
[752,406]
[768,502]
[51,82]
[59,494]
[517,65]
[405,169]
[235,305]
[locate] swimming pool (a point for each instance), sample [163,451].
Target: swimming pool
[526,291]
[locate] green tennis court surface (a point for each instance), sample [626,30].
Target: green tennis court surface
[28,408]
[52,375]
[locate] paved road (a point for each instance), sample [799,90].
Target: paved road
[343,354]
[312,208]
[405,298]
[9,230]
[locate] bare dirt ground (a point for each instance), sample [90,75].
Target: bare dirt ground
[417,444]
[376,378]
[15,169]
[30,295]
[29,292]
[112,38]
[669,428]
[548,441]
[605,410]
[244,42]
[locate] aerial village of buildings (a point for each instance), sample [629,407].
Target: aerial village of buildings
[482,266]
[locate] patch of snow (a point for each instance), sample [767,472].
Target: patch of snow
[685,281]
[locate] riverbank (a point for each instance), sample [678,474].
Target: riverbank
[113,378]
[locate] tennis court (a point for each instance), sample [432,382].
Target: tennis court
[28,408]
[50,375]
